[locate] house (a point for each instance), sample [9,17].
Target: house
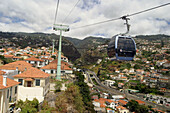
[109,82]
[8,56]
[51,68]
[117,97]
[120,85]
[35,62]
[102,103]
[16,58]
[140,102]
[47,60]
[8,92]
[110,110]
[121,109]
[63,58]
[34,83]
[15,68]
[122,102]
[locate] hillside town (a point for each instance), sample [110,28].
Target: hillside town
[29,73]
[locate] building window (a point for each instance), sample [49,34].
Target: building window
[8,93]
[15,89]
[10,99]
[52,71]
[37,82]
[21,81]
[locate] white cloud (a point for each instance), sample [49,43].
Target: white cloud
[38,16]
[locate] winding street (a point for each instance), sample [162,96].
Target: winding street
[116,92]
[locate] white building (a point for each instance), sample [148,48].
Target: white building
[35,62]
[34,83]
[15,68]
[8,92]
[109,82]
[52,68]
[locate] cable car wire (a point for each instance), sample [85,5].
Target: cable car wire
[56,11]
[71,11]
[101,22]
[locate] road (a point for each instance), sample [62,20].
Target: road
[127,95]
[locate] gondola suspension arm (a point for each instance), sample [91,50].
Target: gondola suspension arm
[127,24]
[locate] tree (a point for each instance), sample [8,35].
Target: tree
[135,107]
[84,90]
[28,106]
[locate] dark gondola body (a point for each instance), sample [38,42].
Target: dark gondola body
[121,48]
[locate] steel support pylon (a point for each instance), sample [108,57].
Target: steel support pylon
[60,28]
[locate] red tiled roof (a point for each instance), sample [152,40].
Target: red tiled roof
[21,65]
[53,65]
[123,102]
[32,73]
[2,72]
[28,79]
[120,107]
[140,102]
[9,83]
[8,56]
[33,59]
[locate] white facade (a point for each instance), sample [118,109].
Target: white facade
[7,95]
[36,63]
[109,82]
[53,72]
[30,90]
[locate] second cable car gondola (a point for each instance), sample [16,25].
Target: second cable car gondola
[122,47]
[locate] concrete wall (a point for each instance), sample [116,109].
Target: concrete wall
[30,93]
[35,91]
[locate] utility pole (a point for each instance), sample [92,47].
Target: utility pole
[60,27]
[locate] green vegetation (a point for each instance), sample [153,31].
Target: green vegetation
[145,89]
[133,106]
[5,60]
[84,90]
[70,100]
[28,106]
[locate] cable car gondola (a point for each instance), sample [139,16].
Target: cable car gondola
[122,47]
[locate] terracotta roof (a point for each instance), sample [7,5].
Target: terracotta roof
[109,109]
[28,79]
[17,57]
[53,65]
[123,102]
[8,56]
[102,105]
[21,65]
[9,83]
[120,107]
[2,72]
[33,59]
[32,73]
[140,102]
[62,62]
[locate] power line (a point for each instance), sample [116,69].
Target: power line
[101,22]
[56,11]
[71,11]
[148,9]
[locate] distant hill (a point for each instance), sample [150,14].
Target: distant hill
[22,40]
[72,47]
[88,42]
[154,37]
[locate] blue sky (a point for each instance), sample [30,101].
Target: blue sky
[38,16]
